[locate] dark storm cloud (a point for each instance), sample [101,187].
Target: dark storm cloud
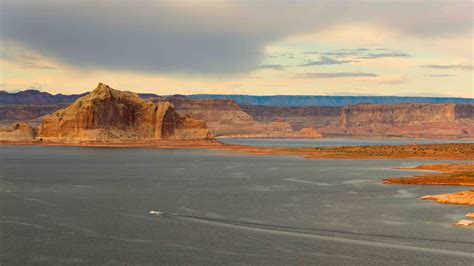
[326,60]
[456,67]
[331,75]
[201,38]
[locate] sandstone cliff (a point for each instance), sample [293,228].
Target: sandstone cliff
[106,114]
[409,120]
[18,132]
[226,118]
[369,120]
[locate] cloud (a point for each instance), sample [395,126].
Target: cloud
[202,37]
[273,67]
[26,61]
[384,55]
[363,53]
[384,79]
[440,75]
[330,75]
[326,60]
[456,67]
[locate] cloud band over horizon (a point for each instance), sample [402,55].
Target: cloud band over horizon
[223,42]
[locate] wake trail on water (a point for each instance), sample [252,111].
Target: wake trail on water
[312,233]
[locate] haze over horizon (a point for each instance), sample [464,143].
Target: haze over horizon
[381,48]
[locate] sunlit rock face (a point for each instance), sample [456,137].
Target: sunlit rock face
[106,114]
[226,118]
[18,132]
[413,120]
[376,120]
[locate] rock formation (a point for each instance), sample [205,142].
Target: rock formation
[106,114]
[225,118]
[228,119]
[411,120]
[18,132]
[377,120]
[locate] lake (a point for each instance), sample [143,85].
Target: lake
[61,205]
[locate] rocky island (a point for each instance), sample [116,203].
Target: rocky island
[110,116]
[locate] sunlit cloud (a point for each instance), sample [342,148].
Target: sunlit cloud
[440,75]
[457,67]
[330,75]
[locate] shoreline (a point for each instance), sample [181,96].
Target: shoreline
[461,174]
[450,151]
[448,175]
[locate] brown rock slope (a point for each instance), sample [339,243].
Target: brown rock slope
[108,115]
[376,120]
[410,120]
[18,132]
[324,118]
[225,118]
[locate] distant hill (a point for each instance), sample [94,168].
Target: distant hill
[300,100]
[34,97]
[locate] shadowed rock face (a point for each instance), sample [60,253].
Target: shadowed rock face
[111,115]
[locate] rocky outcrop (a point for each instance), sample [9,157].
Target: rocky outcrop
[225,118]
[320,117]
[381,120]
[408,120]
[108,115]
[18,132]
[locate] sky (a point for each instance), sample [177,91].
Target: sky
[376,47]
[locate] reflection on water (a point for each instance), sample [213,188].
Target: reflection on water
[92,206]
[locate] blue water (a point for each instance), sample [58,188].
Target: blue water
[90,206]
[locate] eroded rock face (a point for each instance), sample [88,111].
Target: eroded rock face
[412,120]
[18,132]
[111,115]
[401,120]
[226,118]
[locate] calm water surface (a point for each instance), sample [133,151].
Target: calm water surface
[91,206]
[322,142]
